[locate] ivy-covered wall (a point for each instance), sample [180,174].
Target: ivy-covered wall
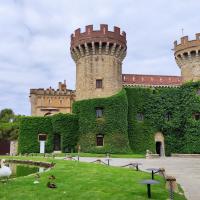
[130,121]
[167,110]
[30,127]
[113,124]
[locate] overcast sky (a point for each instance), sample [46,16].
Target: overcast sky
[35,39]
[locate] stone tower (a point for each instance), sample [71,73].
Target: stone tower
[187,55]
[98,55]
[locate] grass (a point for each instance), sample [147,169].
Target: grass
[80,181]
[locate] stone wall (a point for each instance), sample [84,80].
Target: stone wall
[50,101]
[105,67]
[13,147]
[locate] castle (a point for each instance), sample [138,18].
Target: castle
[155,112]
[98,56]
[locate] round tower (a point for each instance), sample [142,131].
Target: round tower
[98,55]
[187,56]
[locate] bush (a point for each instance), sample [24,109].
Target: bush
[30,127]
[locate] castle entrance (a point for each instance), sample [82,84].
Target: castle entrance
[159,142]
[4,147]
[158,148]
[57,142]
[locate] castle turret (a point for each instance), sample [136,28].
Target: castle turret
[98,55]
[187,55]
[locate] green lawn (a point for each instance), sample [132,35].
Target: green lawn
[84,181]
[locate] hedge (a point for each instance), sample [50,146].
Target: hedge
[30,127]
[113,125]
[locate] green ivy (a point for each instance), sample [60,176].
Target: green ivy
[113,124]
[30,127]
[122,130]
[181,132]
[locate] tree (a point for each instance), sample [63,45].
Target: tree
[9,124]
[6,115]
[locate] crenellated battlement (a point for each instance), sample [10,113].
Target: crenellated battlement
[103,35]
[186,43]
[187,56]
[51,91]
[103,41]
[62,90]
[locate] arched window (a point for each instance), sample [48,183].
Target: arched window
[100,140]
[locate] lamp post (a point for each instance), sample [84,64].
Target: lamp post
[79,149]
[108,158]
[171,184]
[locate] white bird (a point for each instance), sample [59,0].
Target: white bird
[4,170]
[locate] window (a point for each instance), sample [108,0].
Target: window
[99,139]
[197,116]
[42,137]
[198,92]
[140,116]
[168,116]
[99,83]
[99,112]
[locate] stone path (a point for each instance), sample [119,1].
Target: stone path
[185,170]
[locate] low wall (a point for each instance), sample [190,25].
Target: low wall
[30,162]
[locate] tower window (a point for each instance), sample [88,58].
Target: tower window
[100,140]
[99,112]
[140,117]
[99,83]
[197,116]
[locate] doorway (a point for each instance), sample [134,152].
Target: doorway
[4,147]
[158,148]
[57,142]
[159,144]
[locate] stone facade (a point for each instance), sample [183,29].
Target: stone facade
[13,147]
[187,55]
[98,55]
[50,101]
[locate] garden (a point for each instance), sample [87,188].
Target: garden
[77,180]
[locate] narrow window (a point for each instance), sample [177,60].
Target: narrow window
[99,83]
[168,116]
[99,139]
[140,116]
[197,116]
[198,92]
[99,112]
